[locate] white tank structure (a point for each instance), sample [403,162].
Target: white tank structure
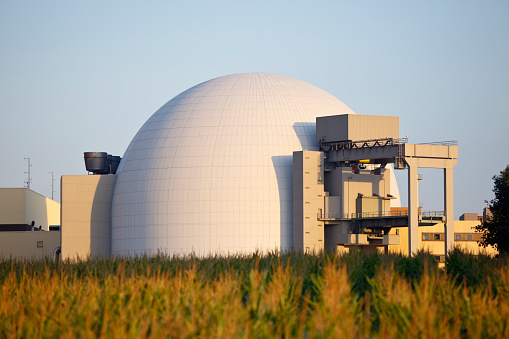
[211,171]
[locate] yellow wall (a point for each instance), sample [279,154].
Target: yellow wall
[42,210]
[22,206]
[23,245]
[437,247]
[86,215]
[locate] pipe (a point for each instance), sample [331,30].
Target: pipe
[56,254]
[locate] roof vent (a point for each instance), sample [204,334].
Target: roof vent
[101,162]
[115,161]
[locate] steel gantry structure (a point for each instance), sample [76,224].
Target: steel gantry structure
[441,155]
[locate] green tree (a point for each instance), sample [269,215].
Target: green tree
[496,226]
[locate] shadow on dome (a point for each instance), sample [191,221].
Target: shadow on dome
[283,166]
[306,132]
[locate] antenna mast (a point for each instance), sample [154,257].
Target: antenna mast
[29,179]
[52,185]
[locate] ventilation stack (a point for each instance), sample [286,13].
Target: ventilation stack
[101,162]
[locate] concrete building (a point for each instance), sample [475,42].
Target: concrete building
[29,224]
[431,238]
[211,170]
[86,214]
[258,162]
[357,202]
[308,200]
[29,244]
[22,207]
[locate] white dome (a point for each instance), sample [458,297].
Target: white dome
[211,170]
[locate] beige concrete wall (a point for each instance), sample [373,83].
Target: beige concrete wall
[372,204]
[42,210]
[28,245]
[332,206]
[353,184]
[469,216]
[343,182]
[22,206]
[437,247]
[86,215]
[13,205]
[430,151]
[356,127]
[308,201]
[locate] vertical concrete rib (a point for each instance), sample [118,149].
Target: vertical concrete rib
[449,204]
[413,201]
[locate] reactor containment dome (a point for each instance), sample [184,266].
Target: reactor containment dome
[211,171]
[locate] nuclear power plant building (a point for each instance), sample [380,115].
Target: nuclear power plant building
[255,162]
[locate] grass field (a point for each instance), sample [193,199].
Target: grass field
[289,295]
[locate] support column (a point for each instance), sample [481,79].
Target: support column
[413,208]
[449,204]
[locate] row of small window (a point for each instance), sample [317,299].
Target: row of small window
[457,236]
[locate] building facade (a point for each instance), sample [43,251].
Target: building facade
[29,224]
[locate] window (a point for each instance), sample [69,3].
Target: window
[425,236]
[40,243]
[469,236]
[457,237]
[397,232]
[440,258]
[436,236]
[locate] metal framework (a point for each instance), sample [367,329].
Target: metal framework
[327,146]
[381,214]
[443,155]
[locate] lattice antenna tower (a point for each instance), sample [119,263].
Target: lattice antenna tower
[29,178]
[52,185]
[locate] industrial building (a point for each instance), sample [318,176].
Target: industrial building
[256,162]
[211,170]
[29,224]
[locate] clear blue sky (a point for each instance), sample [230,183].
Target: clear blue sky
[80,76]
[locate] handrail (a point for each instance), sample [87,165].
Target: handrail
[433,213]
[365,215]
[442,143]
